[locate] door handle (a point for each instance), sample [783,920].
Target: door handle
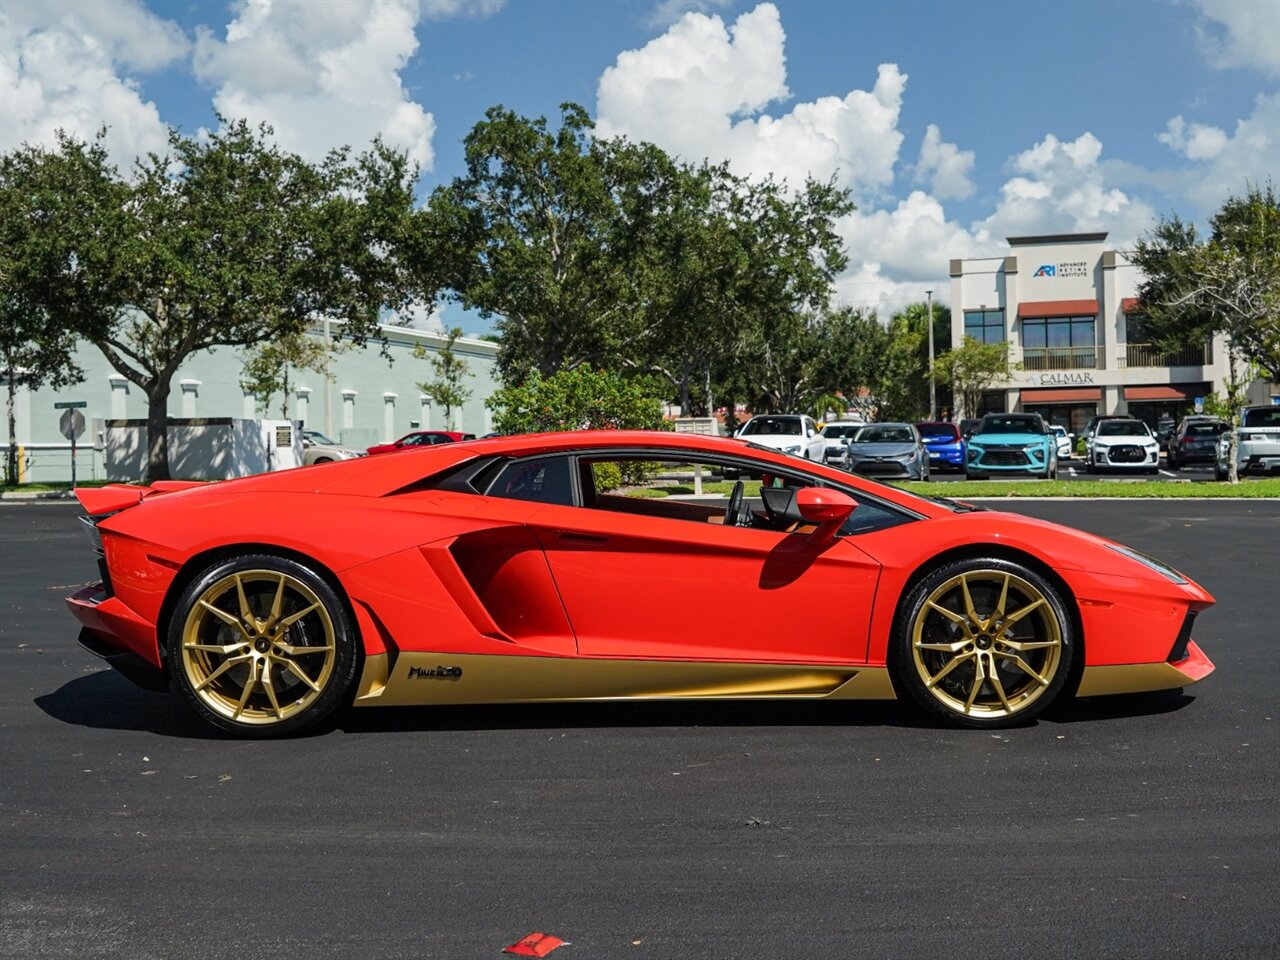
[573,537]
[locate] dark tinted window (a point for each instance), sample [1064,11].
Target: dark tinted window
[1264,417]
[1011,423]
[545,480]
[938,431]
[1122,428]
[773,426]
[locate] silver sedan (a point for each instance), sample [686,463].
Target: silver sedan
[888,450]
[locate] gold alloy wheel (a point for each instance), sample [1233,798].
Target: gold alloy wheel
[986,644]
[258,647]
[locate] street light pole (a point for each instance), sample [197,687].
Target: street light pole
[933,386]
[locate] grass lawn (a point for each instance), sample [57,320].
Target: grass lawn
[1261,488]
[64,487]
[1268,487]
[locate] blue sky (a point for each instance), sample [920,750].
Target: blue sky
[954,124]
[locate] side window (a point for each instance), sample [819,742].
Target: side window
[544,480]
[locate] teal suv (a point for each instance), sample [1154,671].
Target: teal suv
[1012,443]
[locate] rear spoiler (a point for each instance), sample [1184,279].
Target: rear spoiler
[114,497]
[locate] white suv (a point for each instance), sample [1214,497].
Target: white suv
[1259,446]
[793,433]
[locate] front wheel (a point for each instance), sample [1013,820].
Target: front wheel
[262,646]
[983,643]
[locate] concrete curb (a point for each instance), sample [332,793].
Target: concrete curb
[47,495]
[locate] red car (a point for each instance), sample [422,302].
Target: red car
[544,568]
[421,438]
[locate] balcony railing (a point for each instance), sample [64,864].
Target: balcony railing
[1062,358]
[1150,355]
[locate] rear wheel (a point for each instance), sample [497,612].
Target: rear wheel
[262,646]
[983,643]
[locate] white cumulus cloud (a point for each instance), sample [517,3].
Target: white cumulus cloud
[945,166]
[1241,33]
[1224,164]
[1061,187]
[63,66]
[322,74]
[700,89]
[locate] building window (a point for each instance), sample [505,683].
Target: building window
[1059,343]
[985,326]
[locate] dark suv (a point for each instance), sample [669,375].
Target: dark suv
[1195,441]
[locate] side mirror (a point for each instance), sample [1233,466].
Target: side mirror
[826,507]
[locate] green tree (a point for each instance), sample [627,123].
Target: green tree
[1227,284]
[606,252]
[267,366]
[40,307]
[579,399]
[971,369]
[446,388]
[853,345]
[223,241]
[522,236]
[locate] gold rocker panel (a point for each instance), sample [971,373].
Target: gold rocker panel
[429,678]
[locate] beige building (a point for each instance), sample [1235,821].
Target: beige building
[1067,307]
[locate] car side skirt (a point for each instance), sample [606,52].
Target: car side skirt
[450,678]
[1145,677]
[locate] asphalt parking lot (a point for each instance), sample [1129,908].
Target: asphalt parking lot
[1118,827]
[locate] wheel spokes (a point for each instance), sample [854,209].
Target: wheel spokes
[258,677]
[968,621]
[951,665]
[223,668]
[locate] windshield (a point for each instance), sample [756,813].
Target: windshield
[1012,424]
[1123,428]
[885,433]
[315,436]
[939,431]
[772,427]
[1204,429]
[1264,417]
[840,430]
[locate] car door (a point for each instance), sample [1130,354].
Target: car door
[653,587]
[815,445]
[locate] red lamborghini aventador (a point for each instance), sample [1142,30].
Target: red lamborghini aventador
[540,568]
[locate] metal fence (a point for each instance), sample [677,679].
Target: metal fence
[1150,355]
[1062,358]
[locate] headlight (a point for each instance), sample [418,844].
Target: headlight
[1151,563]
[792,450]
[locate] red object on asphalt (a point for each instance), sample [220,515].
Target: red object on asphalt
[534,945]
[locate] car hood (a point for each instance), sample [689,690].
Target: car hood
[1007,439]
[881,449]
[1124,438]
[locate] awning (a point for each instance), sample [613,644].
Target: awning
[1058,308]
[1168,391]
[1061,395]
[1129,304]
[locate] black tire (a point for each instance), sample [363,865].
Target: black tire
[1219,473]
[262,646]
[935,657]
[324,460]
[974,476]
